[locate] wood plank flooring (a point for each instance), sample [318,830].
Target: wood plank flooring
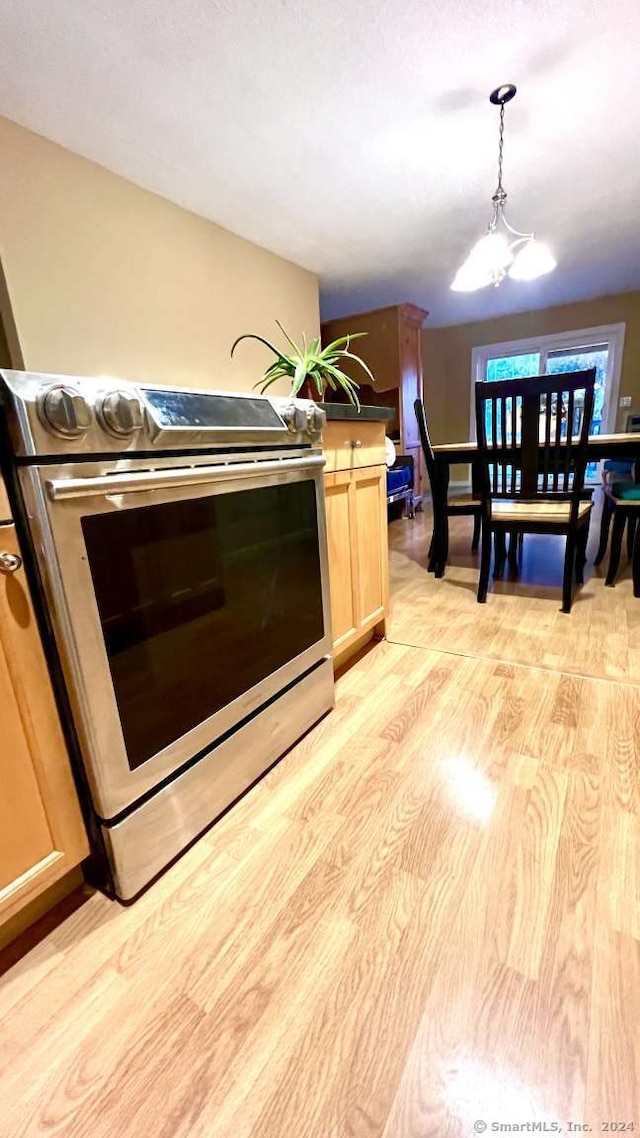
[428,914]
[521,621]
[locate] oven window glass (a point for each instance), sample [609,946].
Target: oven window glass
[200,600]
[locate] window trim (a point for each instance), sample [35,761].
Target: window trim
[613,334]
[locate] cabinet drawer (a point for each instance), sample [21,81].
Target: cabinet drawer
[349,445]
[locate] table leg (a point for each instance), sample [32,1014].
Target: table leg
[476,478]
[440,493]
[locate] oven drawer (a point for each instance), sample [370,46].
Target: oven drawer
[154,833]
[349,445]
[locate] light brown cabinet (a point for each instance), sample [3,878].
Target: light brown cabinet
[42,836]
[356,505]
[392,349]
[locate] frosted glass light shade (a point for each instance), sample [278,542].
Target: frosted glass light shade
[492,254]
[470,277]
[487,263]
[533,260]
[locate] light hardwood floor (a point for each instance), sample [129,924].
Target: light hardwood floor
[427,914]
[521,621]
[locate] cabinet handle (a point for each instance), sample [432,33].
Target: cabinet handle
[356,443]
[10,562]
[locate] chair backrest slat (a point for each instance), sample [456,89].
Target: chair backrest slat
[547,443]
[532,441]
[438,478]
[569,439]
[557,454]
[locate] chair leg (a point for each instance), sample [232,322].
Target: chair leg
[605,522]
[631,533]
[500,554]
[435,553]
[616,546]
[445,542]
[437,558]
[514,545]
[485,562]
[475,541]
[581,552]
[567,580]
[434,543]
[636,562]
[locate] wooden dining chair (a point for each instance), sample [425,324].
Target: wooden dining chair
[625,497]
[532,446]
[615,475]
[443,506]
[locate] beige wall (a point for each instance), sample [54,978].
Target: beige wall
[105,278]
[447,355]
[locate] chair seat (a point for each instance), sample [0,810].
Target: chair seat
[618,466]
[627,492]
[553,513]
[465,501]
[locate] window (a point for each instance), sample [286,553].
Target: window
[513,367]
[567,351]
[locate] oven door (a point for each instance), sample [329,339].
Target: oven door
[183,599]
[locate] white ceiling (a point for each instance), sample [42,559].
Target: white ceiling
[355,137]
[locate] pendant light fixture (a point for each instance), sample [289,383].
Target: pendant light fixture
[503,249]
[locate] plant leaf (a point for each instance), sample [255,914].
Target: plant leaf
[288,337]
[299,376]
[343,340]
[348,385]
[297,384]
[264,383]
[319,379]
[342,379]
[352,356]
[283,366]
[254,336]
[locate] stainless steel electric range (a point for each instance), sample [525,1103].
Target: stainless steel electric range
[180,542]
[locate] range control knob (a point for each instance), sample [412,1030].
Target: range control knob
[295,418]
[64,412]
[316,419]
[120,412]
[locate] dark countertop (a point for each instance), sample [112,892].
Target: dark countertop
[341,411]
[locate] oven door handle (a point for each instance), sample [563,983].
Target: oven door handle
[137,481]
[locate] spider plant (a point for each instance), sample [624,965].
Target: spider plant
[318,365]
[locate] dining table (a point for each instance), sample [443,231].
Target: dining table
[623,445]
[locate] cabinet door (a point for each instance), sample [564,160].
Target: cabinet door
[370,549]
[41,831]
[339,503]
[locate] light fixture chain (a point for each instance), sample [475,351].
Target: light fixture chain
[500,150]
